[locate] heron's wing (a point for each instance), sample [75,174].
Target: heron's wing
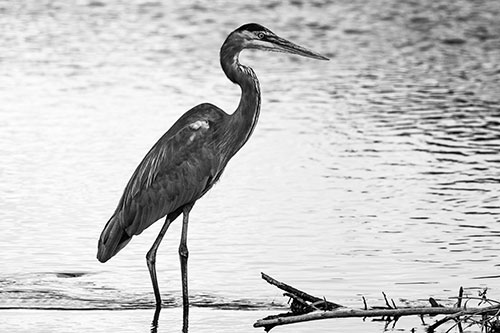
[178,170]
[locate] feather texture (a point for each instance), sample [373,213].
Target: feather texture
[180,168]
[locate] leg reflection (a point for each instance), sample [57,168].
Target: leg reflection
[185,319]
[154,323]
[156,317]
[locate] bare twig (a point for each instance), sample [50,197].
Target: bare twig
[460,295]
[386,301]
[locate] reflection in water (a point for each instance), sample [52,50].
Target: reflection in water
[154,323]
[156,317]
[376,171]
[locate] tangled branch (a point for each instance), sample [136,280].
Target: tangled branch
[305,307]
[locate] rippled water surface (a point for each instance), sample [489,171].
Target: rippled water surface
[376,171]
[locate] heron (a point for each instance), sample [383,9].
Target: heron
[190,157]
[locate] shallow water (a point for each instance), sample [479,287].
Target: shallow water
[375,171]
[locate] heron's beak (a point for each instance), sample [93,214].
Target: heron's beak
[282,45]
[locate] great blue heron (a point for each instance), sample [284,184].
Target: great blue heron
[191,156]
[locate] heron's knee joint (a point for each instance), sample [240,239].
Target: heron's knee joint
[151,257]
[183,251]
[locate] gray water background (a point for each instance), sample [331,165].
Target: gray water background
[376,171]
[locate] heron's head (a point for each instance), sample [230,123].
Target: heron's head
[255,36]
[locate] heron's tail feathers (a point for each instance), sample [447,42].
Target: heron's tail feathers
[113,239]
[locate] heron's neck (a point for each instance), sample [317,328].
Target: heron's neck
[244,119]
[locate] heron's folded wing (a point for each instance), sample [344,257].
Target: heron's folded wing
[176,171]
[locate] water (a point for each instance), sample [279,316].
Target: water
[375,171]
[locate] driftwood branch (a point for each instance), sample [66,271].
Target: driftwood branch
[306,307]
[299,295]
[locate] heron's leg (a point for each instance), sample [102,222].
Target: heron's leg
[183,255]
[151,260]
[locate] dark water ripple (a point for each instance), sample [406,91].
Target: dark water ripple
[50,291]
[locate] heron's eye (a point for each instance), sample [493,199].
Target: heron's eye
[260,35]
